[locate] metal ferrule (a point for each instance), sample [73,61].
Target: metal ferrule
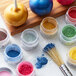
[65,70]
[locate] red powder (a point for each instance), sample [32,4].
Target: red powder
[25,68]
[72,13]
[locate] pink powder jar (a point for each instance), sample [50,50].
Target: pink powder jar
[25,69]
[70,16]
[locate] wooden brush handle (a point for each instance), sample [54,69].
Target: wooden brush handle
[65,70]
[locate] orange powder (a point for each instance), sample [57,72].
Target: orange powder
[48,25]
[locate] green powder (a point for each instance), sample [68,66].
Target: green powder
[69,31]
[29,37]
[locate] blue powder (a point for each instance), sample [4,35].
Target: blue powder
[13,53]
[41,61]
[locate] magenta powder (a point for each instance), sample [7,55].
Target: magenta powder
[5,73]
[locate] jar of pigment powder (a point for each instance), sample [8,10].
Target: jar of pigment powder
[4,38]
[71,56]
[68,34]
[70,16]
[29,39]
[49,26]
[25,69]
[13,54]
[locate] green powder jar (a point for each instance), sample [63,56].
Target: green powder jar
[68,34]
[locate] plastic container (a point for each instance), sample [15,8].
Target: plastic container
[29,39]
[13,54]
[4,42]
[70,60]
[68,40]
[68,18]
[24,66]
[51,31]
[5,70]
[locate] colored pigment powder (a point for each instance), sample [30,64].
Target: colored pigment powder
[48,25]
[5,73]
[41,61]
[72,13]
[13,53]
[25,68]
[2,35]
[72,53]
[29,37]
[69,31]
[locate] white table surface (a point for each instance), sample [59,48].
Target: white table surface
[51,69]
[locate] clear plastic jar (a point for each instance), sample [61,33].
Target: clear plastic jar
[9,57]
[68,18]
[69,59]
[68,40]
[5,41]
[23,65]
[49,32]
[31,40]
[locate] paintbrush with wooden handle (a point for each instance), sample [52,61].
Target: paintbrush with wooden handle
[50,49]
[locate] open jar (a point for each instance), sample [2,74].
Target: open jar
[48,26]
[70,16]
[29,39]
[68,34]
[71,56]
[13,54]
[4,38]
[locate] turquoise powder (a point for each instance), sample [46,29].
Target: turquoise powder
[29,37]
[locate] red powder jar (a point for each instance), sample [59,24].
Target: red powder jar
[25,69]
[70,16]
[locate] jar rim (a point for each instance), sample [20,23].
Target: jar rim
[67,13]
[56,26]
[36,35]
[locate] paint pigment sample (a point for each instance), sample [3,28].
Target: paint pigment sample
[40,62]
[25,68]
[2,35]
[72,13]
[5,73]
[29,37]
[13,53]
[69,31]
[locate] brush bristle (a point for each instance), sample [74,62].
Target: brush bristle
[48,47]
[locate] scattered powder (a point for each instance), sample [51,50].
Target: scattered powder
[72,13]
[2,35]
[40,62]
[5,73]
[13,53]
[69,31]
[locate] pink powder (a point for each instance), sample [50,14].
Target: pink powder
[5,73]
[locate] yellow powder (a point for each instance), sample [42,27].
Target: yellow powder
[48,25]
[72,53]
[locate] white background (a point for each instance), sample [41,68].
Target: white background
[51,69]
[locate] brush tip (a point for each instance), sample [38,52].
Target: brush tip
[48,47]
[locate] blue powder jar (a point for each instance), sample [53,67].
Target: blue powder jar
[29,39]
[13,54]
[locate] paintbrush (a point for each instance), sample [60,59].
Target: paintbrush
[50,49]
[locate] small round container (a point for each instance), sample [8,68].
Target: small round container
[68,34]
[13,54]
[71,56]
[49,26]
[25,69]
[70,16]
[29,39]
[6,72]
[4,38]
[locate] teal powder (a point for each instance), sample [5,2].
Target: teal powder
[13,53]
[29,37]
